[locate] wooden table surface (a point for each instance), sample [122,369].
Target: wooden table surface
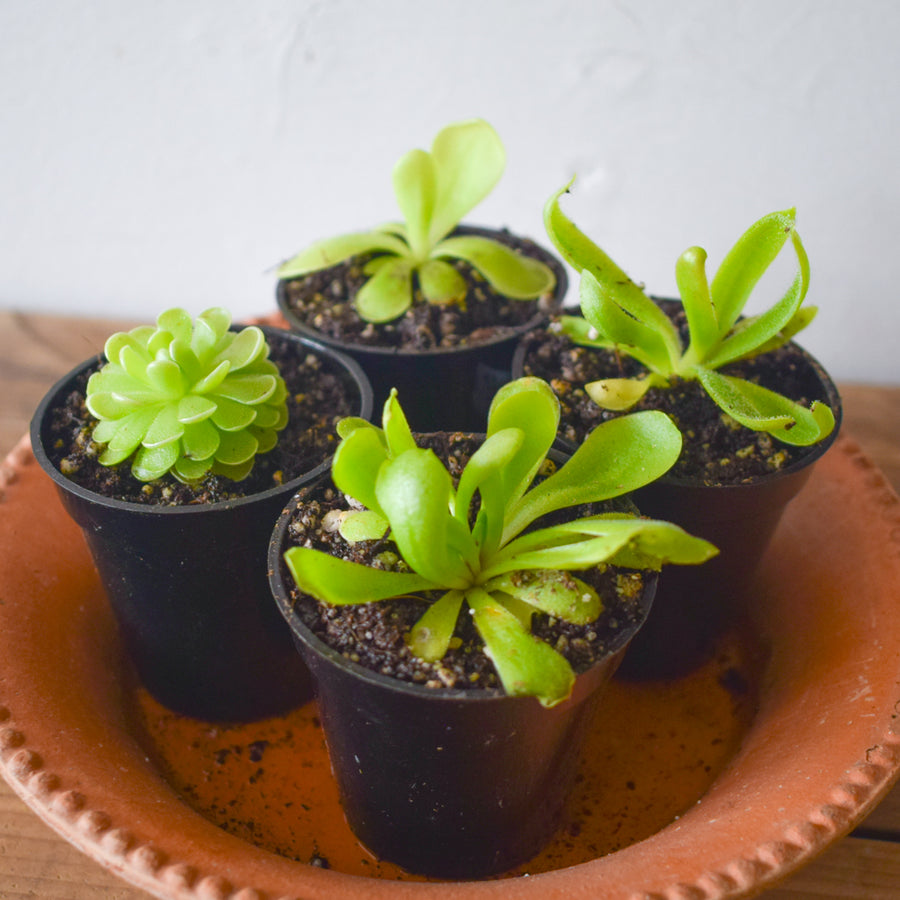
[35,350]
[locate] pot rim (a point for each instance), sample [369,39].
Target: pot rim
[366,402]
[511,334]
[812,454]
[279,584]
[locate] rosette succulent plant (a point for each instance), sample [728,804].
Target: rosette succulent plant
[618,314]
[498,562]
[434,191]
[187,398]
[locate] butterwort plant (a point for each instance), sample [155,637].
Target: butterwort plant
[187,397]
[618,314]
[499,562]
[434,191]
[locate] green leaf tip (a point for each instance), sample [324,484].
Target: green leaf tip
[187,398]
[619,315]
[434,190]
[492,556]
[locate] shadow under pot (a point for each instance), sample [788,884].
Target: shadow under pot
[696,604]
[447,782]
[187,583]
[445,383]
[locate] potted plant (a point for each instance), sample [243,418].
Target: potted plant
[460,601]
[755,409]
[175,454]
[428,302]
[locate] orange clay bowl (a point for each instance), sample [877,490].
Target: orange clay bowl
[714,785]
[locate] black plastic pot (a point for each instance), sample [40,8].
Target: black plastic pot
[444,388]
[448,783]
[187,584]
[695,603]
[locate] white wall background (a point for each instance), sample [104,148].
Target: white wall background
[154,154]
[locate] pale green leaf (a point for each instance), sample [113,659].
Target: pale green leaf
[617,457]
[621,393]
[165,427]
[166,377]
[342,582]
[552,591]
[363,525]
[229,415]
[429,638]
[441,283]
[331,251]
[247,389]
[469,159]
[415,187]
[509,273]
[355,466]
[236,447]
[388,293]
[414,491]
[200,440]
[151,463]
[525,665]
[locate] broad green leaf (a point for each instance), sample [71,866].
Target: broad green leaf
[693,286]
[745,264]
[105,405]
[346,426]
[200,440]
[269,417]
[247,389]
[469,159]
[429,638]
[266,438]
[248,344]
[760,409]
[229,415]
[151,463]
[652,343]
[415,187]
[441,283]
[363,525]
[189,470]
[195,409]
[205,336]
[124,435]
[388,293]
[134,361]
[355,466]
[552,591]
[617,457]
[414,490]
[164,428]
[217,318]
[621,393]
[236,447]
[509,273]
[186,360]
[178,323]
[166,377]
[525,664]
[236,472]
[342,582]
[329,252]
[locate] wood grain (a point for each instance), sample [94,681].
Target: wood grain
[36,350]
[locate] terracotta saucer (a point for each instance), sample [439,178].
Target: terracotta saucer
[775,749]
